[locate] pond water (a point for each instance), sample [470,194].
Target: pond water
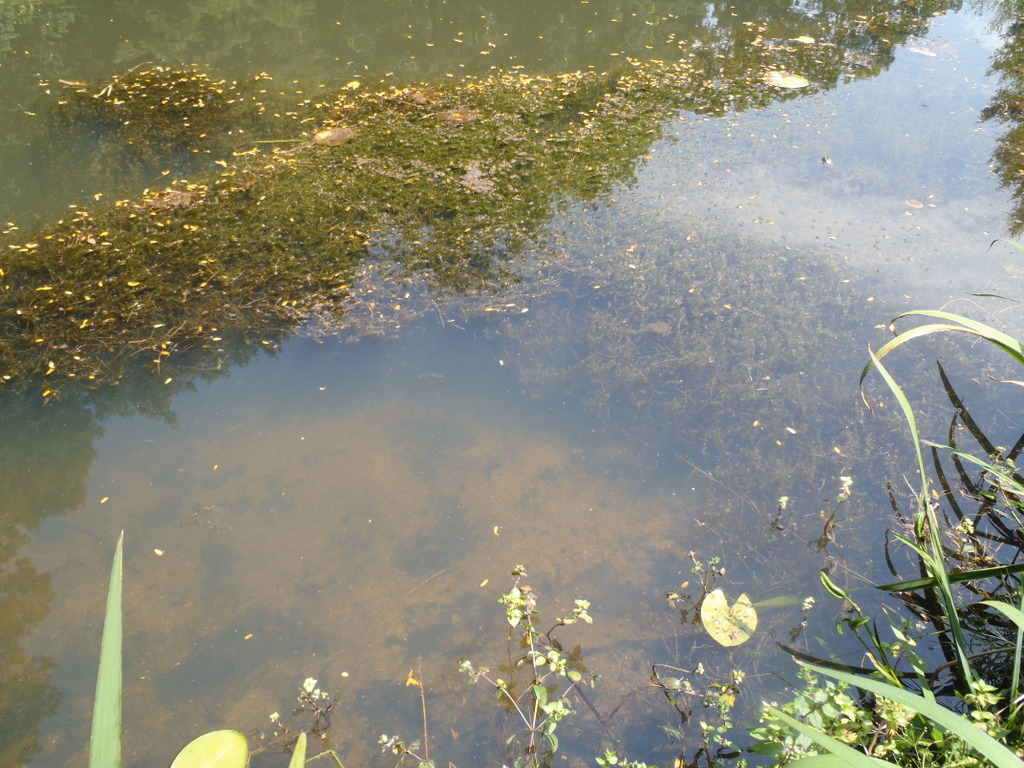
[677,355]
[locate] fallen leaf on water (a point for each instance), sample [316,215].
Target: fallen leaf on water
[803,39]
[782,79]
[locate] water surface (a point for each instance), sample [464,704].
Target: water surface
[681,353]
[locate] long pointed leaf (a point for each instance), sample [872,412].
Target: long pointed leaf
[1008,343]
[994,751]
[1008,481]
[850,756]
[956,324]
[299,755]
[1012,612]
[977,574]
[932,560]
[105,741]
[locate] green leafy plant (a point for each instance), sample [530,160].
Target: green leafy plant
[947,721]
[539,676]
[910,716]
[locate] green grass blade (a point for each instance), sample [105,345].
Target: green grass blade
[908,411]
[1014,614]
[934,560]
[955,324]
[995,752]
[299,755]
[105,740]
[1004,341]
[1007,480]
[977,574]
[850,756]
[1018,653]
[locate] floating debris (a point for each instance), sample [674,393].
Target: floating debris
[782,79]
[334,137]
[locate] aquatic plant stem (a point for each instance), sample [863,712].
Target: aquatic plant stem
[423,707]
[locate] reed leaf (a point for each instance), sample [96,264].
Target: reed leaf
[954,324]
[1006,481]
[105,740]
[993,751]
[933,559]
[299,755]
[977,574]
[849,756]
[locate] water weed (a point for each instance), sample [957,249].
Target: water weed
[915,710]
[539,676]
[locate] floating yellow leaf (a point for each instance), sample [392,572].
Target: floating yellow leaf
[411,680]
[781,79]
[728,625]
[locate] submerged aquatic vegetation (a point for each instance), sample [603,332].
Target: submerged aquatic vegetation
[449,180]
[450,185]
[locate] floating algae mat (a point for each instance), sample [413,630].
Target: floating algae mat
[341,202]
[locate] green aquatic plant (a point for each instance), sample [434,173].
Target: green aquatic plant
[927,746]
[539,679]
[287,209]
[927,531]
[915,718]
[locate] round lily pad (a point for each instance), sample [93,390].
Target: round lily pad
[216,749]
[728,624]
